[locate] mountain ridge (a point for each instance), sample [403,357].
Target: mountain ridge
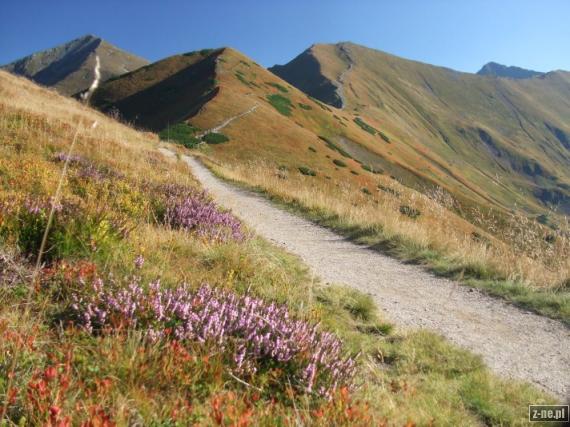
[68,67]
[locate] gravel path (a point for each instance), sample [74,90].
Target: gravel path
[514,343]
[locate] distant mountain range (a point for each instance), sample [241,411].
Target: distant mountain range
[499,70]
[492,142]
[69,67]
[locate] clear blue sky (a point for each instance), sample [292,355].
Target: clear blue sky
[458,34]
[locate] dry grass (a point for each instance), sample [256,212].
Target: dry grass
[62,375]
[516,249]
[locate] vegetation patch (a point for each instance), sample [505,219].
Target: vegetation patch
[370,169]
[277,86]
[180,133]
[409,211]
[312,149]
[339,163]
[307,171]
[280,103]
[366,191]
[365,126]
[335,147]
[384,137]
[215,138]
[304,106]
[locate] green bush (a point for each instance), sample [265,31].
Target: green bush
[366,191]
[409,211]
[180,133]
[365,126]
[372,170]
[280,103]
[304,106]
[306,171]
[384,137]
[335,147]
[277,86]
[206,52]
[339,163]
[215,138]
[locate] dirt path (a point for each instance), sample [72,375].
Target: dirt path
[228,121]
[513,342]
[342,77]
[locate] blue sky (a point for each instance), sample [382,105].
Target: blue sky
[458,34]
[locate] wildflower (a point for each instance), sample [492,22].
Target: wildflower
[139,262]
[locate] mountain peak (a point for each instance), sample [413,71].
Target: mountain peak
[499,70]
[68,67]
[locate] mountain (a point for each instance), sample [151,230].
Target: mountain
[504,141]
[69,67]
[499,70]
[265,118]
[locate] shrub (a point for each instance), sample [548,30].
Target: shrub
[312,149]
[280,103]
[335,147]
[366,191]
[409,211]
[339,163]
[181,133]
[388,190]
[370,169]
[384,137]
[194,212]
[365,126]
[239,75]
[73,232]
[277,86]
[306,171]
[206,52]
[254,336]
[215,138]
[304,106]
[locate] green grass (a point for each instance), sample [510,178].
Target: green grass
[365,126]
[215,138]
[335,147]
[180,133]
[280,103]
[306,171]
[277,86]
[370,169]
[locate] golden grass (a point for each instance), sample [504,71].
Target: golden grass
[120,379]
[516,251]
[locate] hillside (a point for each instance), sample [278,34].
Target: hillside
[489,139]
[455,206]
[88,338]
[69,67]
[500,70]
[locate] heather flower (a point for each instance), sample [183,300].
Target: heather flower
[139,262]
[254,335]
[194,212]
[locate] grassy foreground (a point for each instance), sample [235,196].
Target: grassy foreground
[524,262]
[111,229]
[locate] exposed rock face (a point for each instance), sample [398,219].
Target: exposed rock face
[69,67]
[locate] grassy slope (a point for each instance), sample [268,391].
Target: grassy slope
[283,133]
[116,376]
[434,115]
